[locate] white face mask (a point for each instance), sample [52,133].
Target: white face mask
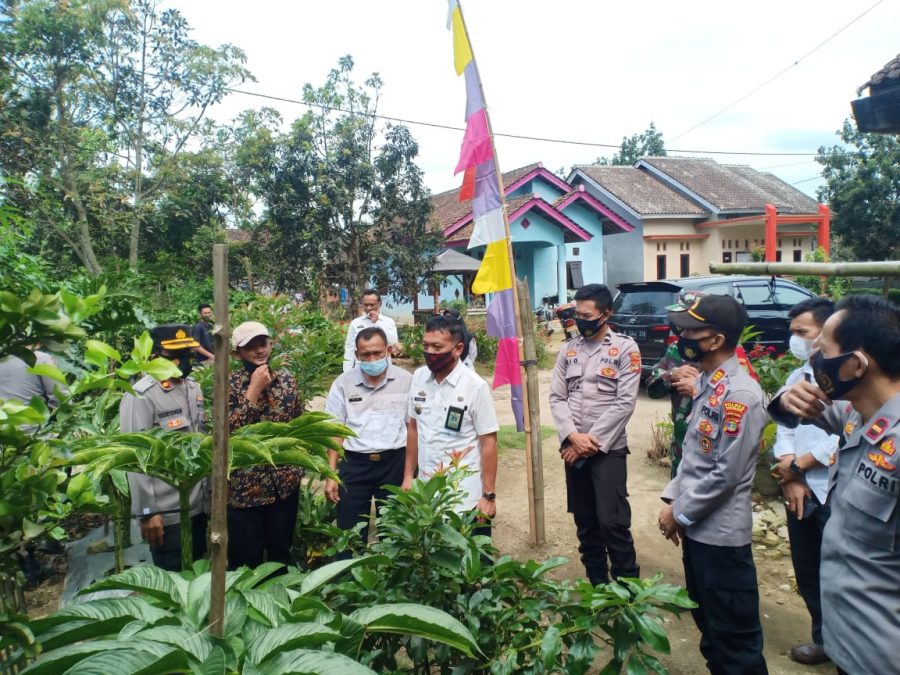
[800,347]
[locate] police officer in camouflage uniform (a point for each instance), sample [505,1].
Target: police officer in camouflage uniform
[175,404]
[708,503]
[593,392]
[858,361]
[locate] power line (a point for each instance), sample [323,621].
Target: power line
[779,166]
[562,141]
[778,74]
[806,180]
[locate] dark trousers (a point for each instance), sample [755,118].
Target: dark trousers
[262,532]
[598,499]
[722,581]
[363,481]
[168,555]
[806,547]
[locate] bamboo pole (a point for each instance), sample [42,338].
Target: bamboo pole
[533,484]
[889,268]
[532,391]
[219,524]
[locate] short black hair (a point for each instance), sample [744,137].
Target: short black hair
[821,309]
[371,291]
[599,293]
[369,333]
[871,323]
[203,306]
[447,323]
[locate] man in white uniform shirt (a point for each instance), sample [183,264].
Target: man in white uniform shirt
[451,418]
[371,400]
[804,455]
[371,318]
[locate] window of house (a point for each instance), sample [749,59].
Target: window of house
[660,267]
[777,256]
[798,255]
[726,257]
[685,265]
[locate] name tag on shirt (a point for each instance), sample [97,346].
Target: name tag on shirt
[454,418]
[354,399]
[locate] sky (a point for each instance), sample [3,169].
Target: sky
[577,70]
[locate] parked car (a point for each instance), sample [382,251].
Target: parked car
[639,309]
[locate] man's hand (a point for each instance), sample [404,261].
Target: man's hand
[487,508]
[585,445]
[804,399]
[684,380]
[794,495]
[332,493]
[152,530]
[782,470]
[406,484]
[569,455]
[259,381]
[670,528]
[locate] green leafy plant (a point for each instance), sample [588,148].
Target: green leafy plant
[273,625]
[833,287]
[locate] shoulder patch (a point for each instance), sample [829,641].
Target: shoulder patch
[635,366]
[144,384]
[876,429]
[718,375]
[734,413]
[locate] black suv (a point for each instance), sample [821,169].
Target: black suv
[639,309]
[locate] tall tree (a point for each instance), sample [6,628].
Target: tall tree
[862,186]
[158,84]
[647,144]
[345,201]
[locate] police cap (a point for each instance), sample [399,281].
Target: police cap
[172,337]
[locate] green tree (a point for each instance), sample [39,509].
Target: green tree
[862,186]
[345,201]
[647,144]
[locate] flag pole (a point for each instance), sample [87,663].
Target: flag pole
[534,471]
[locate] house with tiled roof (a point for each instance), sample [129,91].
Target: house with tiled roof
[686,212]
[558,231]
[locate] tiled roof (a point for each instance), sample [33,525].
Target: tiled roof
[730,188]
[640,191]
[448,209]
[463,234]
[891,71]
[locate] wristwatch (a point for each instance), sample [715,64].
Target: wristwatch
[490,496]
[796,470]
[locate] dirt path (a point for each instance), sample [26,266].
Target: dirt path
[784,617]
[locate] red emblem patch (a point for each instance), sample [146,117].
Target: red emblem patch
[713,401]
[705,427]
[613,351]
[720,389]
[877,428]
[706,444]
[609,372]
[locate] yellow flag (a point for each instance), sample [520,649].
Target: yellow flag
[462,51]
[494,274]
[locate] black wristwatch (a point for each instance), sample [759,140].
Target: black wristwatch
[490,496]
[796,470]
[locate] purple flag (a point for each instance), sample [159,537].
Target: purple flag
[501,315]
[519,407]
[474,100]
[487,191]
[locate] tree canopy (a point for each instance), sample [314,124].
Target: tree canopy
[862,185]
[647,144]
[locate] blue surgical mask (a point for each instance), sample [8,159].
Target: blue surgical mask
[374,368]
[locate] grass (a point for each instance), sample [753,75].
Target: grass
[508,438]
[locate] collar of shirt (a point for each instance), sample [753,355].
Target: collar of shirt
[730,367]
[593,346]
[885,419]
[452,378]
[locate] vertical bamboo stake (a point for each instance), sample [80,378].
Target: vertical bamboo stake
[534,483]
[219,525]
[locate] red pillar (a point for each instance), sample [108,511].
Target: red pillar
[825,228]
[771,232]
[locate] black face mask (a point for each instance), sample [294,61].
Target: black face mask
[589,327]
[250,367]
[827,374]
[183,361]
[690,350]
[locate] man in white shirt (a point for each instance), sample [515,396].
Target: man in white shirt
[370,399]
[805,453]
[451,418]
[372,317]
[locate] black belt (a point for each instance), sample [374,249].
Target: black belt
[371,456]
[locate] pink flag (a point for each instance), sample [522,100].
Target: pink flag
[507,369]
[476,145]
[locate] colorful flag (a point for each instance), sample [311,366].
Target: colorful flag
[481,184]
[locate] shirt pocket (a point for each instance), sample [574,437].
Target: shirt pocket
[574,371]
[872,517]
[607,379]
[707,436]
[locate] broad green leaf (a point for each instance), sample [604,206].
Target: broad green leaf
[235,615]
[258,575]
[310,662]
[197,644]
[102,348]
[652,632]
[161,369]
[59,660]
[136,662]
[551,646]
[411,619]
[169,587]
[321,576]
[290,636]
[48,370]
[213,665]
[198,599]
[265,604]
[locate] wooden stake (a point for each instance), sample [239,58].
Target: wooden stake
[219,524]
[534,457]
